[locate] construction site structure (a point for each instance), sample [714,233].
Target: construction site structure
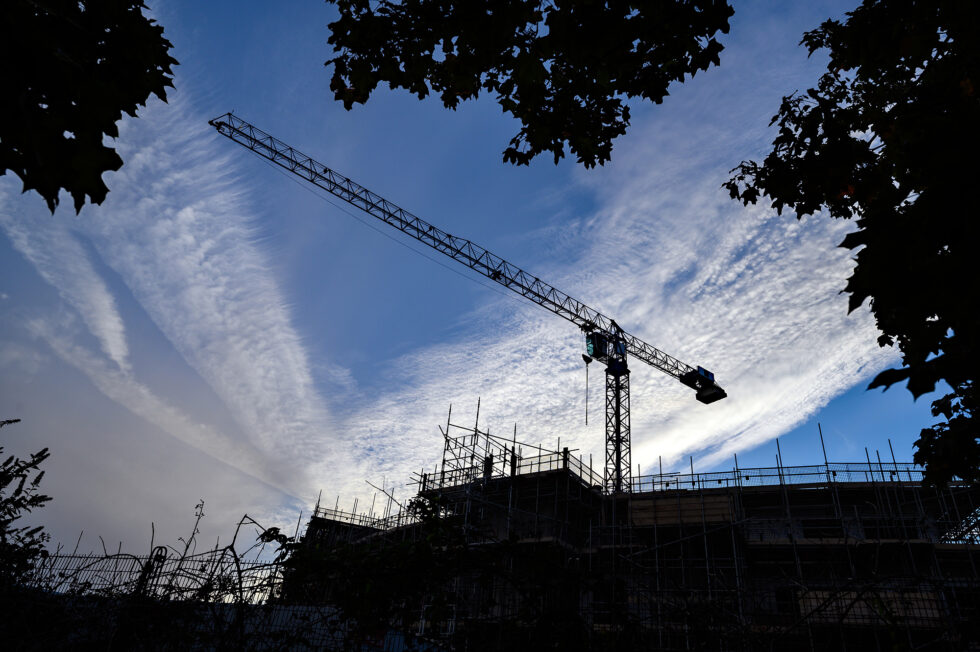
[508,546]
[850,556]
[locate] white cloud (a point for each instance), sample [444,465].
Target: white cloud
[61,260]
[177,228]
[752,297]
[749,295]
[20,361]
[122,388]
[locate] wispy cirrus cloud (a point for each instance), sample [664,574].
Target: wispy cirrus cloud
[62,256]
[177,229]
[121,387]
[61,259]
[752,296]
[179,232]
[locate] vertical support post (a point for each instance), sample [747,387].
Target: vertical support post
[823,448]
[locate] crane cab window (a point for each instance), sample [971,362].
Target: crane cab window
[596,345]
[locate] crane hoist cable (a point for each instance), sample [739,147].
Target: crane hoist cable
[605,340]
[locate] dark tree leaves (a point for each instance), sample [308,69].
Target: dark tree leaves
[890,137]
[20,545]
[71,68]
[563,68]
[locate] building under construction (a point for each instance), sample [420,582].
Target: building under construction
[516,544]
[858,556]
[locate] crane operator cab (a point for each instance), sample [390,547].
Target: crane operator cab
[602,347]
[596,346]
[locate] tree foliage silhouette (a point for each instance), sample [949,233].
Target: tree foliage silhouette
[564,69]
[72,68]
[890,138]
[20,545]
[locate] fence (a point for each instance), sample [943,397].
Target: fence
[214,576]
[213,600]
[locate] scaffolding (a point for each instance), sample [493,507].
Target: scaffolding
[827,556]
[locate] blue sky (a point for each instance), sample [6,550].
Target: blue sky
[216,330]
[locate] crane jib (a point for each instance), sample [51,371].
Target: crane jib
[464,251]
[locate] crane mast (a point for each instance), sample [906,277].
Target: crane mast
[605,340]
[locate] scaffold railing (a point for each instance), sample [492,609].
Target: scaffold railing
[550,461]
[833,472]
[816,475]
[839,472]
[382,523]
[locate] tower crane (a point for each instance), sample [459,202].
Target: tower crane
[605,340]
